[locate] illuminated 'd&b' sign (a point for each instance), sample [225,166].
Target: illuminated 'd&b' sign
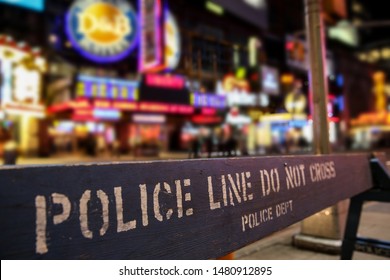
[102,30]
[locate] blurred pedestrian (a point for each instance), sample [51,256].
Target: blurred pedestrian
[116,148]
[195,147]
[91,145]
[302,142]
[348,142]
[231,145]
[101,145]
[10,151]
[209,142]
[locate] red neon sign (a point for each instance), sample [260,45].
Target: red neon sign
[83,109]
[200,119]
[209,111]
[74,104]
[154,107]
[165,108]
[59,108]
[165,81]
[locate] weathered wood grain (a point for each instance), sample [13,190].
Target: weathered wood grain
[190,209]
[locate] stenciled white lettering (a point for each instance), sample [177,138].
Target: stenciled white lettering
[322,171]
[159,201]
[255,219]
[121,226]
[295,176]
[236,192]
[270,181]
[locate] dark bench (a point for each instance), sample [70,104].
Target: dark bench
[182,209]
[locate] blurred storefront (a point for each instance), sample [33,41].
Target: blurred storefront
[21,103]
[371,130]
[116,85]
[161,68]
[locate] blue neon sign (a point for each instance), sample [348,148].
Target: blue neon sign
[37,5]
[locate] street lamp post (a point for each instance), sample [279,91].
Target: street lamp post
[322,231]
[317,76]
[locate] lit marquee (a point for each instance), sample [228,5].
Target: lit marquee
[110,88]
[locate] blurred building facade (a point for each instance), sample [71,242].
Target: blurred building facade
[176,72]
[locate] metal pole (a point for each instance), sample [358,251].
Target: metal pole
[325,226]
[317,76]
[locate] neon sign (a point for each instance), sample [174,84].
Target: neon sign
[116,89]
[165,108]
[96,114]
[36,5]
[208,100]
[166,81]
[208,111]
[102,31]
[172,41]
[201,119]
[85,104]
[119,105]
[150,55]
[107,114]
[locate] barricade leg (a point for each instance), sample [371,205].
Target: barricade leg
[353,219]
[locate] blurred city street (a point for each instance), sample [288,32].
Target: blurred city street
[92,81]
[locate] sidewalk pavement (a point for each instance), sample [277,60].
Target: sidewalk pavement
[374,223]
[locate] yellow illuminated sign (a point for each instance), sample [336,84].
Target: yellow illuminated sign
[104,23]
[103,31]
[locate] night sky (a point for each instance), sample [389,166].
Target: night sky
[377,12]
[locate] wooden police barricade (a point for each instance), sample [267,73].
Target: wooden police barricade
[182,209]
[381,192]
